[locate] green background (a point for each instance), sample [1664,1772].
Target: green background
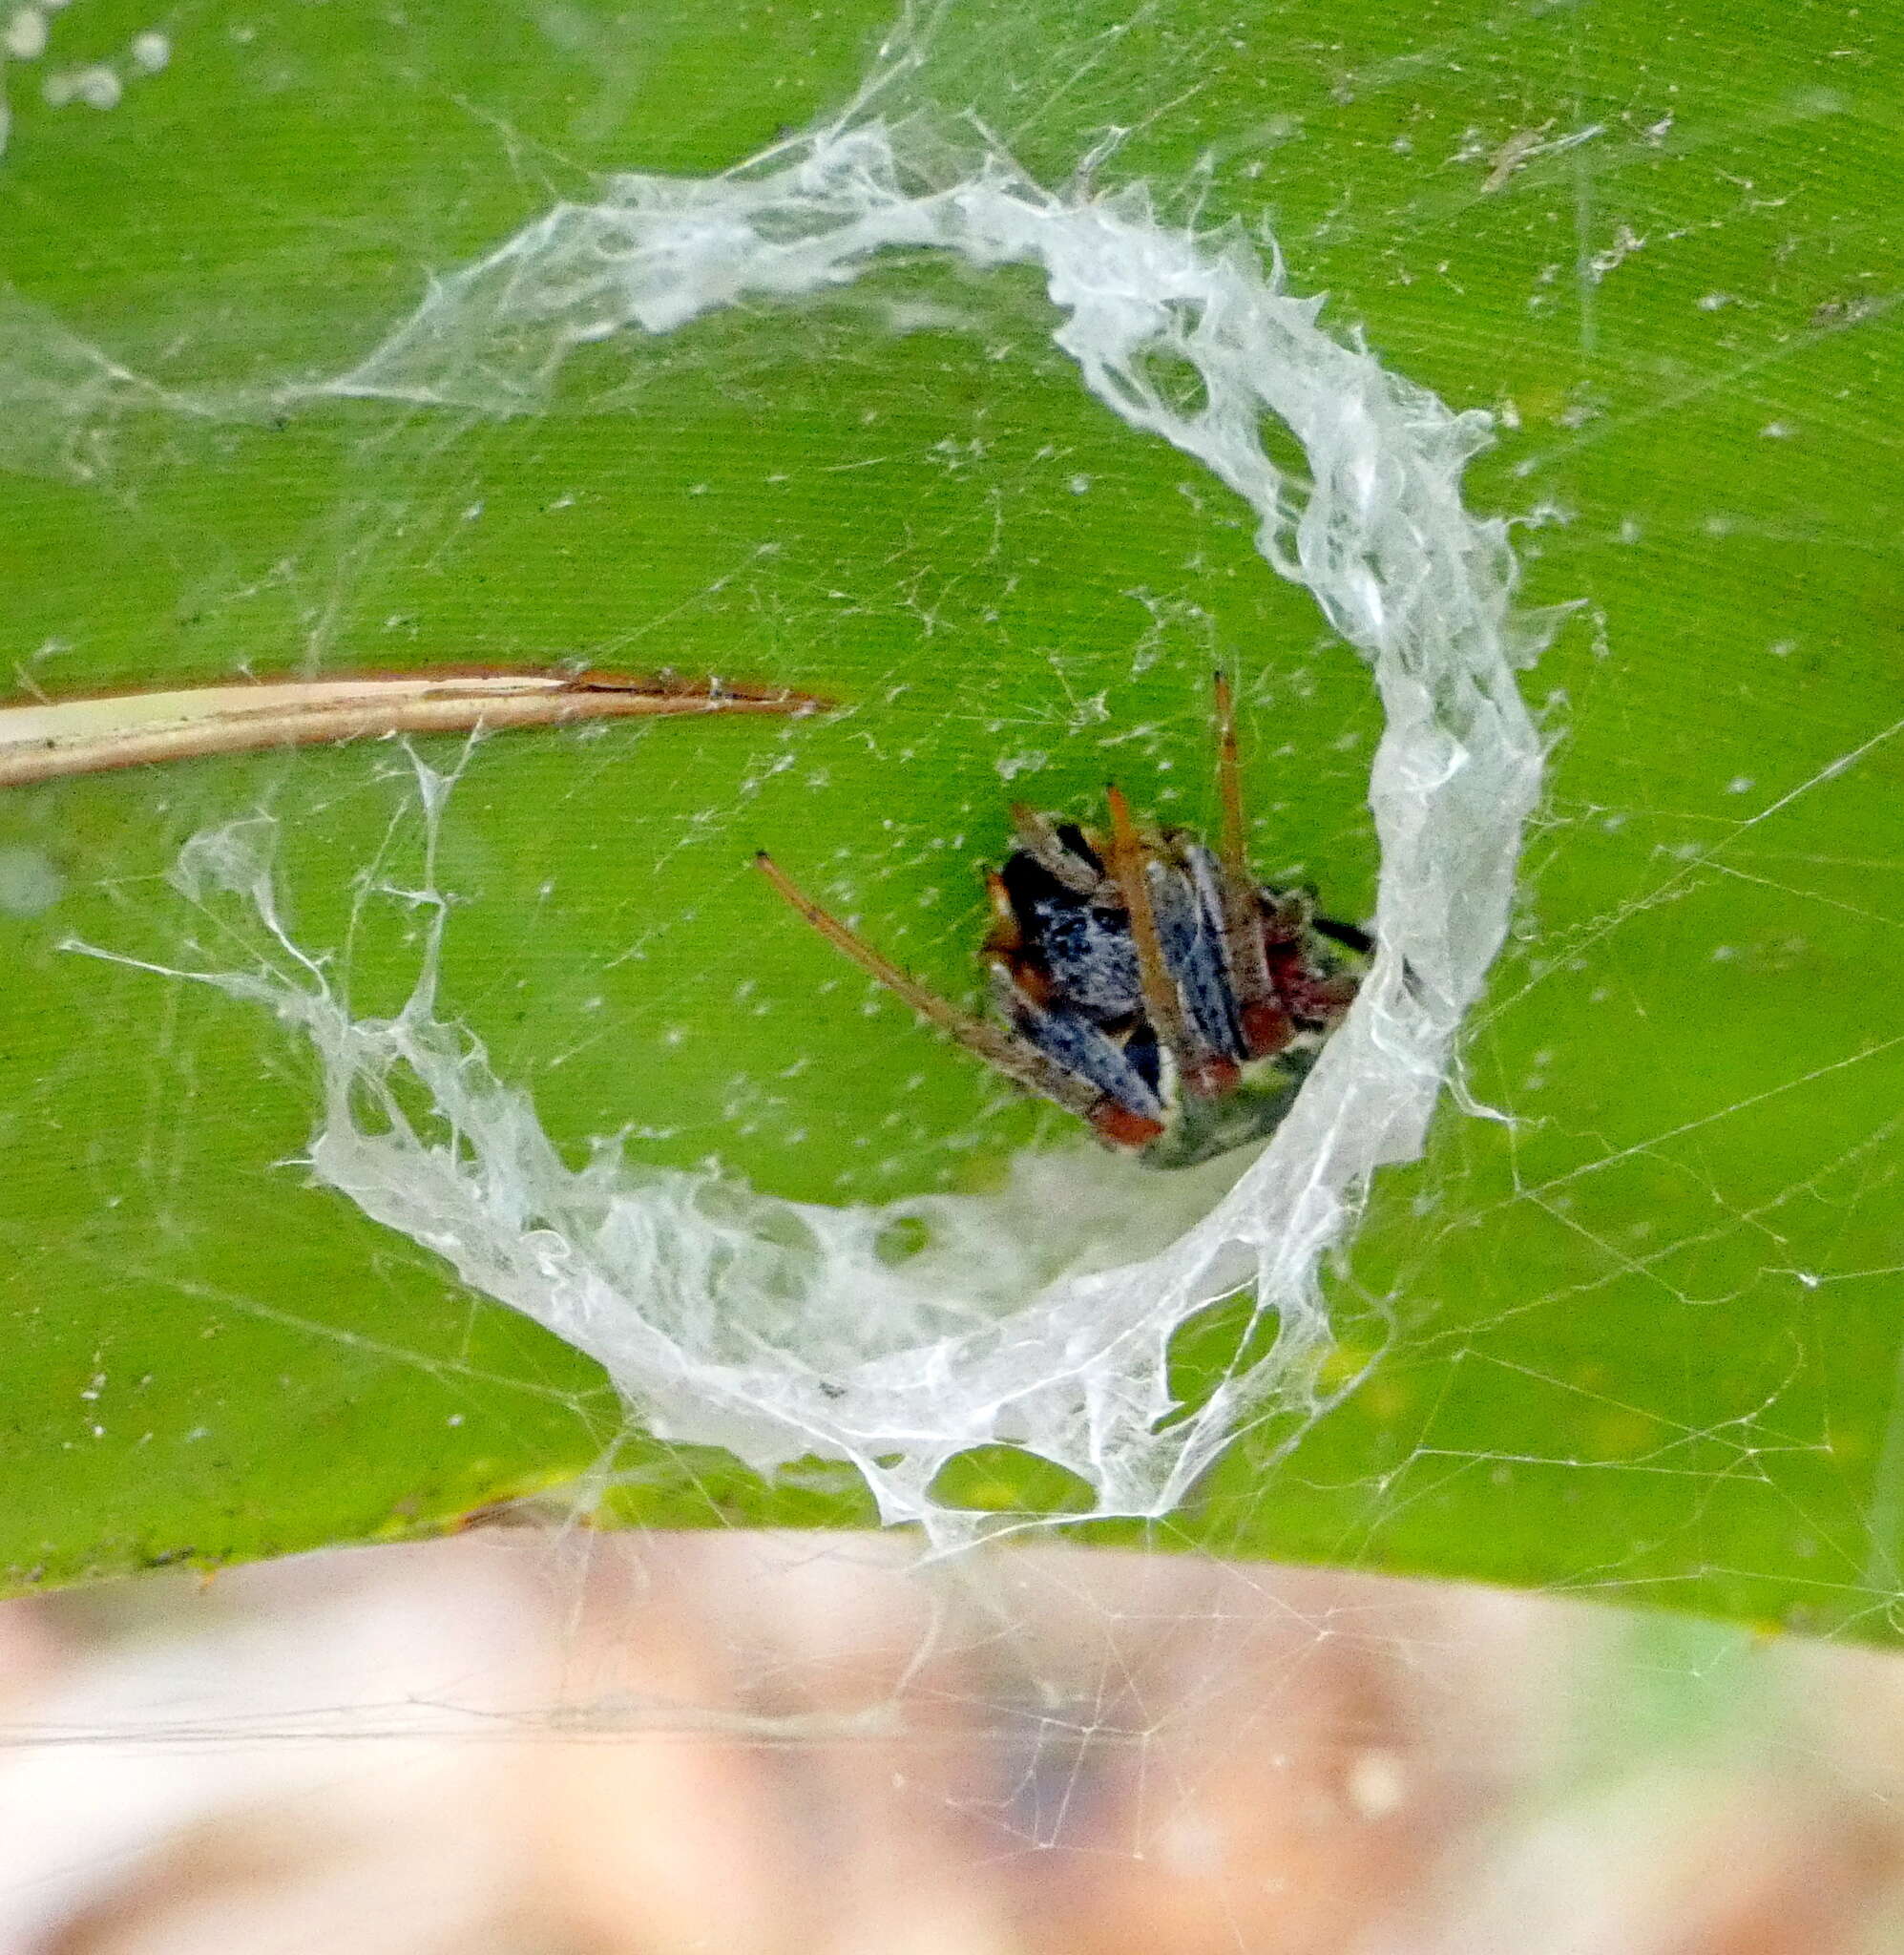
[1638,1338]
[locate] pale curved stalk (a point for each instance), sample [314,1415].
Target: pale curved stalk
[43,739]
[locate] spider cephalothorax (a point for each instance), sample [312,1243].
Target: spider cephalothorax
[1146,981]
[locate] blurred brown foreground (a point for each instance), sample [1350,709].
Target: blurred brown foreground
[535,1743]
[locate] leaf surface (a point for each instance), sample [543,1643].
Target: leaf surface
[1633,1329]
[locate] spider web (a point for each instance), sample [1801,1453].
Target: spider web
[1038,1317]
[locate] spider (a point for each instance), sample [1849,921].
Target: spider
[1144,981]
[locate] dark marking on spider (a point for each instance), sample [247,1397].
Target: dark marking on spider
[1144,981]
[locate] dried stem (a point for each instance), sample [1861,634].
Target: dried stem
[45,739]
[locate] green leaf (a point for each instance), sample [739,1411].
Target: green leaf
[1628,1332]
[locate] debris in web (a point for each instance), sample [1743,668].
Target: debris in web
[1041,1316]
[46,738]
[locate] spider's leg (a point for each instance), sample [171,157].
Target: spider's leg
[1348,934]
[1040,838]
[1130,866]
[1004,945]
[1079,1045]
[1266,1025]
[1313,996]
[1007,936]
[1313,982]
[1007,1052]
[1119,1128]
[1190,919]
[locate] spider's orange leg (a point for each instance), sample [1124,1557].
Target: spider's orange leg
[1266,1025]
[1004,1051]
[1004,949]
